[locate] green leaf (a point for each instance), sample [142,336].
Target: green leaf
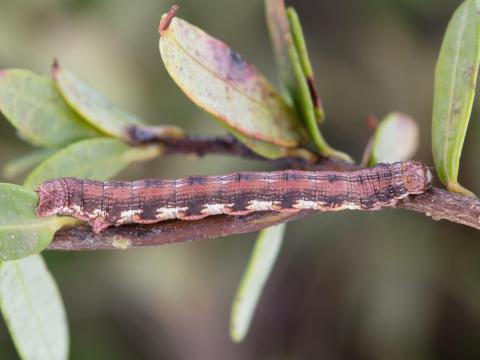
[22,233]
[294,81]
[24,163]
[93,106]
[301,47]
[396,139]
[33,309]
[218,80]
[256,274]
[33,105]
[279,28]
[96,159]
[455,81]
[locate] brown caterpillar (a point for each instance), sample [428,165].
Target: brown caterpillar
[104,204]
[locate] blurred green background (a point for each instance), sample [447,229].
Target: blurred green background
[383,285]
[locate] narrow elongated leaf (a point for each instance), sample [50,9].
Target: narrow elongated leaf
[301,46]
[396,139]
[91,105]
[292,74]
[33,105]
[24,163]
[256,274]
[455,81]
[218,80]
[22,233]
[33,309]
[104,115]
[96,159]
[279,28]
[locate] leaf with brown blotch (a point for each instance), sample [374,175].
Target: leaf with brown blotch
[221,82]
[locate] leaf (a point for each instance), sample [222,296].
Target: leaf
[24,163]
[455,81]
[294,81]
[256,274]
[279,28]
[33,105]
[218,80]
[96,159]
[396,139]
[93,106]
[22,233]
[33,309]
[301,47]
[269,150]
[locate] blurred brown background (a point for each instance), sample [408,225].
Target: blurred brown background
[384,285]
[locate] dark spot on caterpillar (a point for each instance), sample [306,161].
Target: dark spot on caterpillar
[149,212]
[367,204]
[294,176]
[240,204]
[334,201]
[197,180]
[334,178]
[195,207]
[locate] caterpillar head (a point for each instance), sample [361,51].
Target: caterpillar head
[52,196]
[416,177]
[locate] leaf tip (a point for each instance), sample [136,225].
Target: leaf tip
[55,67]
[236,335]
[167,19]
[372,122]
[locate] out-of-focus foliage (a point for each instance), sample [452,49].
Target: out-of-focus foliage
[92,106]
[97,159]
[395,139]
[33,309]
[265,252]
[34,106]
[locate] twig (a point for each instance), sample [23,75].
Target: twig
[208,145]
[228,145]
[441,204]
[167,232]
[437,203]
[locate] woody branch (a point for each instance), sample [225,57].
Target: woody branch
[437,203]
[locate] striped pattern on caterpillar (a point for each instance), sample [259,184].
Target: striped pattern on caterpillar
[110,203]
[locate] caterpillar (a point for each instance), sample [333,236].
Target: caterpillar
[113,203]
